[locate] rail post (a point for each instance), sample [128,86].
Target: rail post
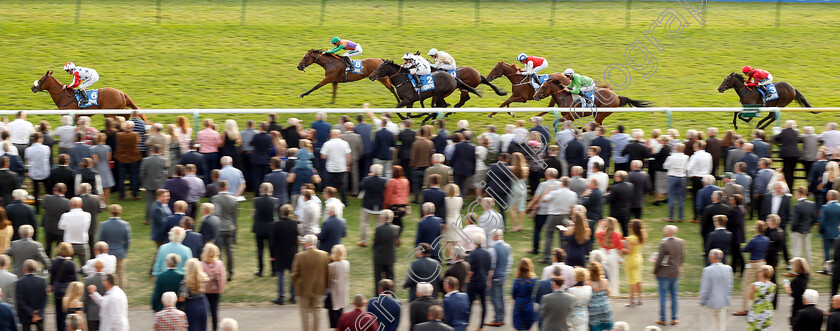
[158,10]
[778,117]
[197,120]
[242,16]
[78,10]
[670,118]
[323,9]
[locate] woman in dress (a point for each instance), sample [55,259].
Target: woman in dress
[174,144]
[192,295]
[577,240]
[518,191]
[216,275]
[797,287]
[609,237]
[523,298]
[830,177]
[101,159]
[6,230]
[184,132]
[72,302]
[760,316]
[453,202]
[62,273]
[633,261]
[396,195]
[231,139]
[483,142]
[579,319]
[339,292]
[600,313]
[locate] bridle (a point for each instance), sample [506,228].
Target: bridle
[43,81]
[394,75]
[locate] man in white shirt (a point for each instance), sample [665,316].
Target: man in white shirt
[109,261]
[830,138]
[490,220]
[466,240]
[389,125]
[594,158]
[699,165]
[38,158]
[550,183]
[558,258]
[19,131]
[330,199]
[66,134]
[311,214]
[336,152]
[675,165]
[560,203]
[75,224]
[113,306]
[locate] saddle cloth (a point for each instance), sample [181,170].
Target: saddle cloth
[774,94]
[356,68]
[427,82]
[93,98]
[454,73]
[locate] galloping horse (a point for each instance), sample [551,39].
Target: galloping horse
[109,98]
[751,96]
[335,71]
[604,97]
[521,89]
[473,78]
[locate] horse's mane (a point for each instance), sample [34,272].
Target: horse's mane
[320,51]
[605,86]
[386,61]
[738,76]
[510,64]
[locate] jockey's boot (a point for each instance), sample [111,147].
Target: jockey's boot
[83,99]
[586,102]
[764,89]
[417,82]
[535,81]
[348,62]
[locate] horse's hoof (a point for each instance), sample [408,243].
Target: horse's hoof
[301,95]
[489,116]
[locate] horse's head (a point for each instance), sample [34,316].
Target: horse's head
[547,89]
[41,84]
[387,69]
[309,58]
[499,70]
[730,82]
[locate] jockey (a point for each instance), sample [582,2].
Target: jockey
[352,48]
[82,78]
[761,77]
[533,65]
[578,86]
[417,66]
[443,60]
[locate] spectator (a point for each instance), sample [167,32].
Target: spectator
[667,269]
[91,308]
[264,212]
[676,167]
[20,213]
[579,318]
[192,156]
[429,226]
[797,287]
[699,165]
[556,308]
[385,242]
[38,158]
[7,280]
[420,306]
[65,134]
[350,320]
[436,196]
[600,313]
[745,180]
[339,288]
[176,236]
[620,199]
[337,155]
[279,181]
[463,163]
[128,156]
[210,223]
[437,167]
[209,142]
[762,292]
[480,275]
[62,273]
[789,152]
[421,155]
[383,145]
[778,244]
[109,262]
[116,233]
[720,238]
[560,202]
[760,188]
[610,240]
[641,186]
[6,230]
[197,189]
[61,174]
[593,201]
[704,195]
[716,207]
[354,140]
[168,280]
[72,304]
[831,139]
[757,247]
[620,140]
[809,317]
[633,261]
[715,290]
[194,241]
[576,240]
[373,187]
[810,146]
[541,215]
[456,305]
[829,222]
[332,230]
[803,217]
[173,149]
[518,191]
[191,293]
[154,171]
[311,286]
[233,176]
[734,155]
[226,208]
[79,151]
[730,186]
[594,159]
[605,150]
[423,269]
[386,307]
[833,322]
[26,248]
[75,224]
[396,195]
[501,259]
[170,318]
[31,295]
[91,204]
[762,148]
[523,286]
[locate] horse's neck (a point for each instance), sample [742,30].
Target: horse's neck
[515,77]
[744,93]
[56,92]
[326,61]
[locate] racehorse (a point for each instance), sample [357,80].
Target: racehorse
[473,78]
[521,89]
[64,98]
[604,97]
[751,96]
[335,71]
[445,84]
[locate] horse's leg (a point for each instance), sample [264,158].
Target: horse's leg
[387,82]
[464,97]
[322,83]
[735,120]
[335,89]
[766,121]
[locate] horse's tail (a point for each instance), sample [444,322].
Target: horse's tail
[627,102]
[494,87]
[801,100]
[463,86]
[129,103]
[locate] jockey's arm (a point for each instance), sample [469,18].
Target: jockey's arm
[529,67]
[76,80]
[336,49]
[574,85]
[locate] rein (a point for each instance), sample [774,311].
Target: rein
[40,84]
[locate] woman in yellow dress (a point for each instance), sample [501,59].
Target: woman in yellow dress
[633,261]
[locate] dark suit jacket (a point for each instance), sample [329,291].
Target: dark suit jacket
[278,181]
[459,270]
[833,323]
[31,296]
[463,159]
[386,310]
[194,157]
[675,249]
[374,188]
[594,203]
[8,317]
[555,310]
[265,211]
[332,231]
[210,227]
[704,197]
[261,142]
[498,181]
[641,185]
[432,326]
[778,243]
[383,143]
[543,289]
[171,222]
[784,208]
[20,213]
[154,171]
[419,311]
[635,150]
[575,155]
[620,197]
[178,188]
[385,243]
[406,138]
[706,223]
[456,310]
[804,215]
[422,270]
[606,149]
[160,213]
[169,280]
[789,140]
[283,242]
[428,229]
[808,318]
[91,307]
[8,183]
[62,174]
[720,239]
[195,242]
[54,207]
[437,197]
[90,204]
[658,162]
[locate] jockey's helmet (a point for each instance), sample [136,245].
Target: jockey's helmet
[69,66]
[433,52]
[334,40]
[521,57]
[747,69]
[407,56]
[569,72]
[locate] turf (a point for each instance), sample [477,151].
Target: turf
[199,56]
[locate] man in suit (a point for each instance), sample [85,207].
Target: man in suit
[192,156]
[620,199]
[386,307]
[160,212]
[7,280]
[364,131]
[62,174]
[429,227]
[210,223]
[357,319]
[778,243]
[604,144]
[79,151]
[117,234]
[788,139]
[804,216]
[197,190]
[91,205]
[717,207]
[419,310]
[384,247]
[55,205]
[501,259]
[357,149]
[193,240]
[440,169]
[332,230]
[383,144]
[641,186]
[456,305]
[720,239]
[713,148]
[406,138]
[734,155]
[109,262]
[20,213]
[435,196]
[497,182]
[154,171]
[31,295]
[226,209]
[480,275]
[555,308]
[777,202]
[750,159]
[761,180]
[543,189]
[463,163]
[809,317]
[373,187]
[434,321]
[260,158]
[423,269]
[833,322]
[829,222]
[715,291]
[283,245]
[730,187]
[278,180]
[593,200]
[25,249]
[815,176]
[667,270]
[178,186]
[168,280]
[92,308]
[704,194]
[265,211]
[311,278]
